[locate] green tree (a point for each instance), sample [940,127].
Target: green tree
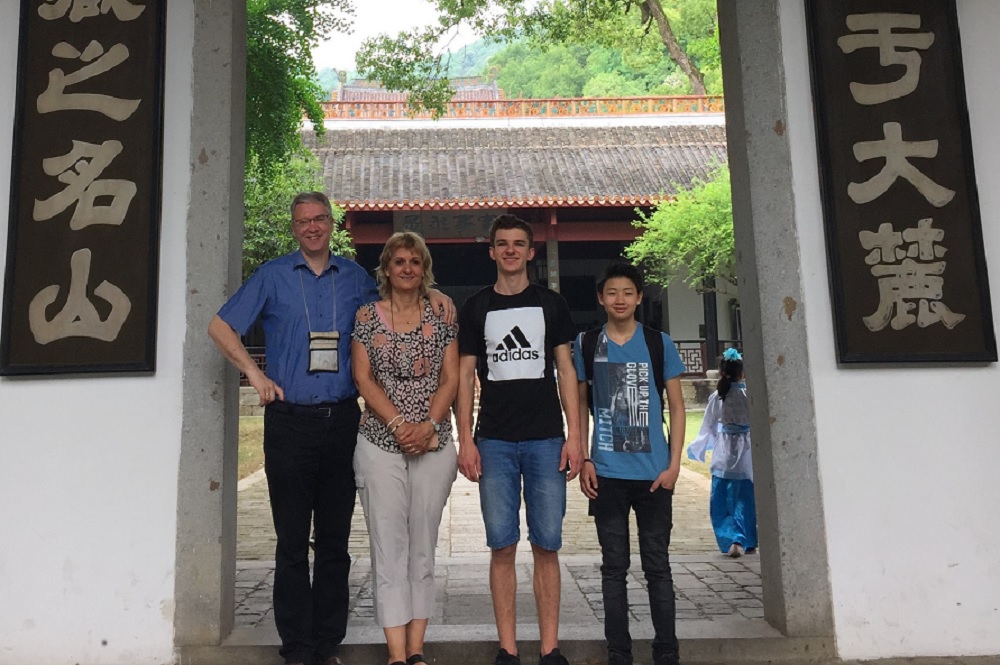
[328,80]
[628,28]
[612,84]
[413,61]
[281,76]
[645,67]
[697,26]
[690,237]
[282,88]
[267,217]
[472,59]
[535,74]
[629,24]
[529,69]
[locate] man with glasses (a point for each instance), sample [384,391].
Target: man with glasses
[306,301]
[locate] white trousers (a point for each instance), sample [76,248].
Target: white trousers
[403,497]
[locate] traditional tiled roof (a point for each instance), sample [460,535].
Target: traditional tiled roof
[390,169]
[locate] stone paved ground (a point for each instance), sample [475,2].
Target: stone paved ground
[709,587]
[462,531]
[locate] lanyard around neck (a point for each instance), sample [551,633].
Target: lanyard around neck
[305,305]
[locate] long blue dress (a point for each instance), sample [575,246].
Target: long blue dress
[726,432]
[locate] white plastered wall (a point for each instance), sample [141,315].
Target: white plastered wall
[905,455]
[687,310]
[88,478]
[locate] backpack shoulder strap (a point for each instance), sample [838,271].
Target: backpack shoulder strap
[589,349]
[654,342]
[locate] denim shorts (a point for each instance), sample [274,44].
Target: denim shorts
[504,463]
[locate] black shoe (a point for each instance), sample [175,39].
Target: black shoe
[666,658]
[506,658]
[618,658]
[553,658]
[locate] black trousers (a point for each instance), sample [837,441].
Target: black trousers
[654,519]
[308,459]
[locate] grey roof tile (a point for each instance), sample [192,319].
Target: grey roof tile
[394,168]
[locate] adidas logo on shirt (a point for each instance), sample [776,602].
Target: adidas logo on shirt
[515,346]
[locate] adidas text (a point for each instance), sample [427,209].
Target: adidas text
[515,354]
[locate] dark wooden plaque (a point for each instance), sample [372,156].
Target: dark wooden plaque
[901,209]
[80,292]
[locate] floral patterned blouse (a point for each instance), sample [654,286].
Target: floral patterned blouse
[407,366]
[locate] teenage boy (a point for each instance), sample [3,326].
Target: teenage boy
[631,464]
[514,332]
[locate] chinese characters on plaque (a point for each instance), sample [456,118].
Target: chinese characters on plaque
[80,290]
[903,230]
[447,223]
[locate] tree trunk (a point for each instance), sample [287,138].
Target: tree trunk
[711,327]
[654,9]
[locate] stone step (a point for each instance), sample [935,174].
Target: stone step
[476,645]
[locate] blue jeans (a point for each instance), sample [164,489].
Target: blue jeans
[654,519]
[504,464]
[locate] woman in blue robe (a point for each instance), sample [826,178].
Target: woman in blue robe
[725,432]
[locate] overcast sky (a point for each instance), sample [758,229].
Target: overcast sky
[372,18]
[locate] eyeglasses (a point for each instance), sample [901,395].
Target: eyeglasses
[318,219]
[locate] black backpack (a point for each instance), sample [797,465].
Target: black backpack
[654,342]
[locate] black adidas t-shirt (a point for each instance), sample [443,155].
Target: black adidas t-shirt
[513,338]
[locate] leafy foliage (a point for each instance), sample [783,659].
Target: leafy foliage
[696,26]
[472,59]
[267,217]
[281,89]
[281,85]
[531,70]
[533,73]
[328,79]
[628,46]
[690,237]
[677,36]
[612,84]
[408,62]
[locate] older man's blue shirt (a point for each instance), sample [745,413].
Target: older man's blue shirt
[279,292]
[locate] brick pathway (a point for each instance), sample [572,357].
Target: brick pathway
[710,588]
[462,532]
[707,588]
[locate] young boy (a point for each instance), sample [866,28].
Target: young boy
[514,332]
[631,464]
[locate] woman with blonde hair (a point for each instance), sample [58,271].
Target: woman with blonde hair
[405,365]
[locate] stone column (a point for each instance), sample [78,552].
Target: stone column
[206,511]
[552,251]
[794,565]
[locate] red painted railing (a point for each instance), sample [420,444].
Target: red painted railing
[530,108]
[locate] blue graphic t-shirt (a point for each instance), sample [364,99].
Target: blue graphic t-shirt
[628,440]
